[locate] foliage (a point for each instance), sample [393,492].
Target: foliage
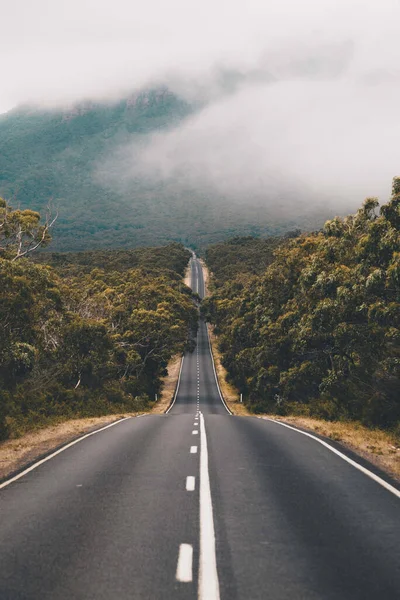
[78,339]
[21,232]
[319,329]
[169,257]
[229,259]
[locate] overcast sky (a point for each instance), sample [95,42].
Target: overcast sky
[319,96]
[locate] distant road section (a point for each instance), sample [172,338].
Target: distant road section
[198,504]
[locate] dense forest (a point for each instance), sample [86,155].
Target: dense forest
[311,324]
[80,159]
[90,334]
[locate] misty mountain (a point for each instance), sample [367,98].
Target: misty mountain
[70,158]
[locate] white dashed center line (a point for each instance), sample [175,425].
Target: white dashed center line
[190,483]
[184,570]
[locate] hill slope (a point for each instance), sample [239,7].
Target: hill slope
[58,156]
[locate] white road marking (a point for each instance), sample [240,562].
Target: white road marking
[195,432]
[353,463]
[184,570]
[195,424]
[43,460]
[215,374]
[208,575]
[177,387]
[190,483]
[193,449]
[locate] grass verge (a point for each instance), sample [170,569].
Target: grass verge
[187,278]
[229,392]
[206,276]
[378,447]
[168,383]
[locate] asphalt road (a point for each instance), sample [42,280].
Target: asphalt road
[198,504]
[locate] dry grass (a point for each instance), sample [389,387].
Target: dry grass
[377,446]
[188,276]
[230,394]
[206,276]
[15,454]
[169,383]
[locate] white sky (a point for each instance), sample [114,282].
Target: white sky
[331,117]
[55,51]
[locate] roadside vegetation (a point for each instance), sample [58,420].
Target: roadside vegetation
[310,325]
[88,334]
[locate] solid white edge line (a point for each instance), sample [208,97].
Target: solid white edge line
[184,569]
[215,373]
[53,454]
[208,575]
[197,277]
[178,384]
[190,483]
[353,463]
[177,387]
[212,358]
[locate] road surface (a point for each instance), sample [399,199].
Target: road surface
[198,504]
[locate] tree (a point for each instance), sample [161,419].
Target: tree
[319,329]
[21,232]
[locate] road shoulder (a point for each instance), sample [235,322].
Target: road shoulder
[16,454]
[169,384]
[378,447]
[230,393]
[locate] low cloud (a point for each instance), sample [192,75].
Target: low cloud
[313,132]
[294,100]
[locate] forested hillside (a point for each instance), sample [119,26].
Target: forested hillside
[91,334]
[316,328]
[78,158]
[243,255]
